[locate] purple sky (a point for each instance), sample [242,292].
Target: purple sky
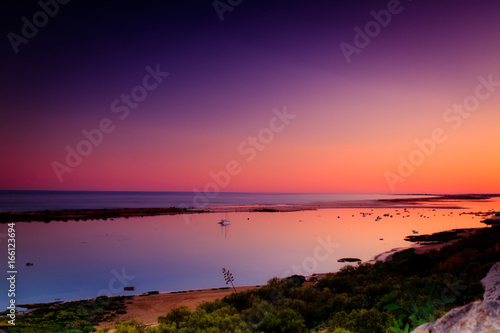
[352,121]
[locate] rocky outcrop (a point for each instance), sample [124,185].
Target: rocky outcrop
[491,284]
[479,316]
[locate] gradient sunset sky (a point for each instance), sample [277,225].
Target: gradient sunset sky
[353,121]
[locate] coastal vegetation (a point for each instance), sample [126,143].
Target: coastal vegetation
[265,210]
[437,238]
[72,317]
[391,296]
[395,296]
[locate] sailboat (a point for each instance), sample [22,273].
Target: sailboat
[225,220]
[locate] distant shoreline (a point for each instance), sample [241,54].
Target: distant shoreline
[105,214]
[421,247]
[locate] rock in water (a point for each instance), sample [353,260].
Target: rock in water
[491,283]
[348,260]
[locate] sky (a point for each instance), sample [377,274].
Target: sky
[251,96]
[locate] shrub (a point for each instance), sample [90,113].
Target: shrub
[283,320]
[175,315]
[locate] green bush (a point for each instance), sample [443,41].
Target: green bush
[178,314]
[369,321]
[283,320]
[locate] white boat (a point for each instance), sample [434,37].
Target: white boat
[225,220]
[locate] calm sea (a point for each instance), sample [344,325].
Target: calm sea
[75,260]
[19,201]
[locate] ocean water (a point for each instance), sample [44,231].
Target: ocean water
[77,260]
[19,201]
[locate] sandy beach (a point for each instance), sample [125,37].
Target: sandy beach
[148,308]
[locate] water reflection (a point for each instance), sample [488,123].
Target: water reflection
[75,260]
[224,229]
